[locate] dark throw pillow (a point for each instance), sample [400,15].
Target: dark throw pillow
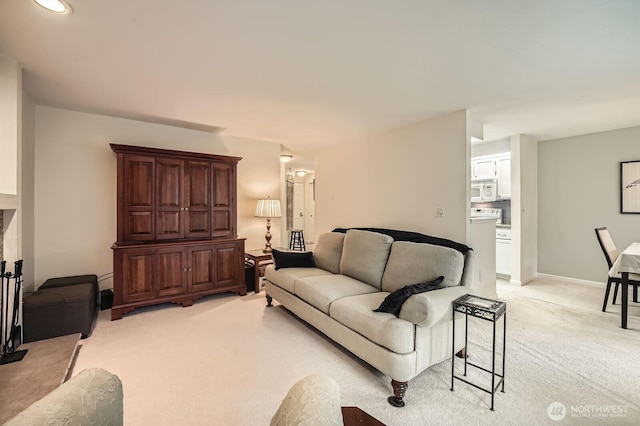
[287,259]
[393,302]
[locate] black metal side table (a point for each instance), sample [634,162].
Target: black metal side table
[488,310]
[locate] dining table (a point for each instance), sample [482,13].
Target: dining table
[628,262]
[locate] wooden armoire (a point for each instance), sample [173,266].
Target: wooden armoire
[177,228]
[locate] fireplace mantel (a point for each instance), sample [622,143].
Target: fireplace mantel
[9,202]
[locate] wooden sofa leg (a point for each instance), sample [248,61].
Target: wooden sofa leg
[399,389]
[462,353]
[269,300]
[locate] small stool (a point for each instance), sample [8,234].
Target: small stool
[296,242]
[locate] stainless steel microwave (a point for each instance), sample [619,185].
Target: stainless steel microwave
[484,190]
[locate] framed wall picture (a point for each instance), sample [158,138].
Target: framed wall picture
[630,187]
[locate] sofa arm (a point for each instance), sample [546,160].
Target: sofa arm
[432,307]
[93,397]
[313,400]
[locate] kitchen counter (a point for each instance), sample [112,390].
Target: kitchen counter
[503,225]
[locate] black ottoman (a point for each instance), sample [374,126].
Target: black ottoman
[76,279]
[59,307]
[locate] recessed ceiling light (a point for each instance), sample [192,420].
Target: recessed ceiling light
[285,158]
[57,6]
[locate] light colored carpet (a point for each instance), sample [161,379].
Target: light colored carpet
[228,360]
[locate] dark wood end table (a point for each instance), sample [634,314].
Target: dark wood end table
[259,258]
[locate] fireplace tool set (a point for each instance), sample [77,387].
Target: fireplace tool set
[10,329]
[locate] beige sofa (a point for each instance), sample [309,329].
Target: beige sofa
[354,272]
[93,397]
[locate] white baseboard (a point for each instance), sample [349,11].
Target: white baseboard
[520,283]
[572,280]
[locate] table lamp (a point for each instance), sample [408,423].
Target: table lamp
[268,208]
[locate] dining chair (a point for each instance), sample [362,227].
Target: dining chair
[611,254]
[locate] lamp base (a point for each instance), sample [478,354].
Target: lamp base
[267,247]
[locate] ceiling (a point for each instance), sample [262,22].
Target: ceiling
[314,74]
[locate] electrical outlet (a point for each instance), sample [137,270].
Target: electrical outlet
[439,212]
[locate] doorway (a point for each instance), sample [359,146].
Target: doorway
[301,205]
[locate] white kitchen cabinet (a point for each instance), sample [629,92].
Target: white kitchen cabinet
[484,168]
[492,167]
[503,170]
[503,257]
[503,251]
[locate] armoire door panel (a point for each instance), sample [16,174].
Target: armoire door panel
[228,264]
[138,204]
[171,274]
[201,268]
[169,207]
[139,272]
[221,185]
[140,191]
[197,199]
[140,225]
[197,181]
[223,211]
[169,225]
[198,223]
[169,177]
[221,224]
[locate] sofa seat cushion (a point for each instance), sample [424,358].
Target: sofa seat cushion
[321,291]
[356,313]
[285,278]
[411,263]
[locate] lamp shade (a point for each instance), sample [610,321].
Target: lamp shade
[268,208]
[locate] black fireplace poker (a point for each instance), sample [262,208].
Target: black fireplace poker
[10,327]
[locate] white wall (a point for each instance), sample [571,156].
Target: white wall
[498,146]
[75,185]
[309,209]
[482,237]
[398,179]
[524,209]
[16,171]
[27,195]
[579,190]
[10,94]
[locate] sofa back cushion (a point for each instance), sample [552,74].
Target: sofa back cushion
[364,256]
[411,263]
[328,251]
